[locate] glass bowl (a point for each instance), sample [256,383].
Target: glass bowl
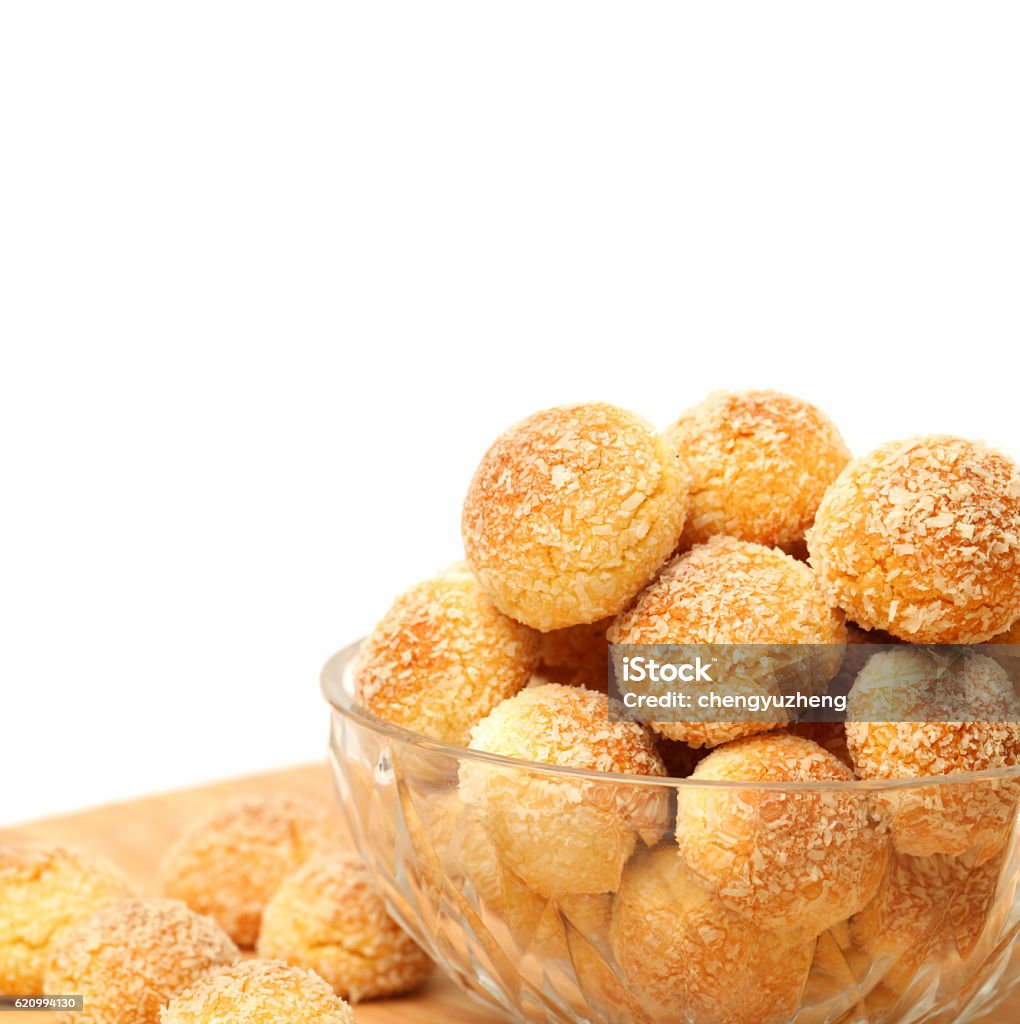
[522,917]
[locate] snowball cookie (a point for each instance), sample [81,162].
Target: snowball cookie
[690,958]
[1010,637]
[258,992]
[131,956]
[790,859]
[729,591]
[911,683]
[861,644]
[327,917]
[442,658]
[43,889]
[538,925]
[571,512]
[760,462]
[231,861]
[564,835]
[829,735]
[922,538]
[1006,651]
[459,866]
[576,655]
[929,910]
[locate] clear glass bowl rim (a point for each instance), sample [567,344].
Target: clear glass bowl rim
[332,685]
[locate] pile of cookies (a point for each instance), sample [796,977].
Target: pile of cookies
[745,522]
[263,874]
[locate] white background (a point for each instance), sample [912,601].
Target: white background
[272,276]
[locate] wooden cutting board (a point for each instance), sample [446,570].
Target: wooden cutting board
[134,835]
